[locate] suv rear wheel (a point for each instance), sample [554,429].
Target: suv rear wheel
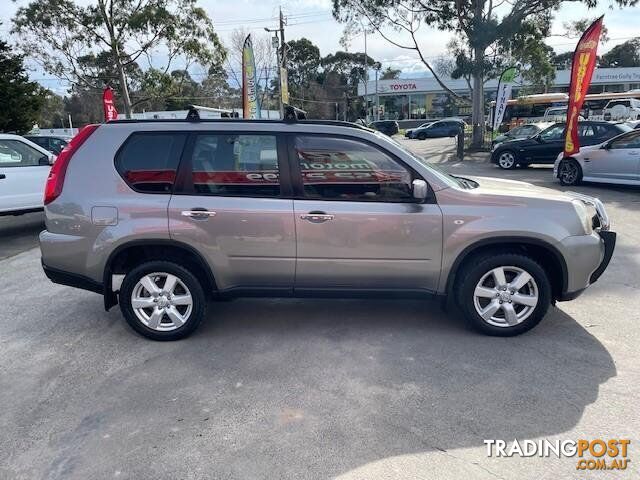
[503,294]
[162,300]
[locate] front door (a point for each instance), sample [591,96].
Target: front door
[22,176]
[619,162]
[547,145]
[358,225]
[229,204]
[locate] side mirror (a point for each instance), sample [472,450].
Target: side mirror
[606,146]
[44,160]
[420,189]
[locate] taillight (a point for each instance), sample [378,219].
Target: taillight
[55,180]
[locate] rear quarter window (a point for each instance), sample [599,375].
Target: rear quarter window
[148,161]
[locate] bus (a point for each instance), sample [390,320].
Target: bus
[548,107]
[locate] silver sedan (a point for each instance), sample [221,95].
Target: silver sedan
[615,161]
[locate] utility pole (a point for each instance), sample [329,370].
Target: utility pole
[377,67]
[366,75]
[281,55]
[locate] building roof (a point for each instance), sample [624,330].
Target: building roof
[607,76]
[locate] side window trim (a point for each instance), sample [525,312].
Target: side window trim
[296,173]
[184,179]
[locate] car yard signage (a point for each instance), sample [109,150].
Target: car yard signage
[403,86]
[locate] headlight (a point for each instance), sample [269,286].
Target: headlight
[583,215]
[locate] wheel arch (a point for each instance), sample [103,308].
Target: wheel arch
[546,254]
[135,252]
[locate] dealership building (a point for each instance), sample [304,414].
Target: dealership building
[410,99]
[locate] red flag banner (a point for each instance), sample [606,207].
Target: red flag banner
[110,111]
[582,66]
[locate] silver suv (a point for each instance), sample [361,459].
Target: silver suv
[162,216]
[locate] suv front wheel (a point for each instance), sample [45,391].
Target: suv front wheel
[503,294]
[162,300]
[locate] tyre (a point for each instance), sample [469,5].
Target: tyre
[162,300]
[422,136]
[569,172]
[503,294]
[507,160]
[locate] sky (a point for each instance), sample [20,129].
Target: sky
[312,19]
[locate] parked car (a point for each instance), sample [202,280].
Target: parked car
[559,114]
[24,167]
[409,132]
[439,129]
[388,127]
[51,143]
[622,109]
[614,161]
[545,146]
[523,131]
[161,216]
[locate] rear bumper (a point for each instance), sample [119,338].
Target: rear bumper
[72,279]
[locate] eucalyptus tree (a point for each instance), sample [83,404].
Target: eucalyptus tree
[69,39]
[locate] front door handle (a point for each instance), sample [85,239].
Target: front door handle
[2,176]
[316,217]
[198,213]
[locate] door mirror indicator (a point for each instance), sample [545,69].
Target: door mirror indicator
[420,189]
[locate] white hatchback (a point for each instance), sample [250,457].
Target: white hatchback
[24,167]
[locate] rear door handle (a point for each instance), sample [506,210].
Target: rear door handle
[198,213]
[317,217]
[2,176]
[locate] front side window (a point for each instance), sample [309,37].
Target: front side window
[235,165]
[553,133]
[343,169]
[14,153]
[57,144]
[148,161]
[631,140]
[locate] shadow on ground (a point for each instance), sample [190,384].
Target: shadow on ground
[275,388]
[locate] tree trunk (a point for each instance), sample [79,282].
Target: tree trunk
[124,88]
[477,110]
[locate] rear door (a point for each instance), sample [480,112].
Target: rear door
[232,203]
[22,177]
[358,225]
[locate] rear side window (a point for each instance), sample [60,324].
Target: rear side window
[148,162]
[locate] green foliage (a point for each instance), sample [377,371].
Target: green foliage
[303,62]
[99,42]
[20,99]
[626,54]
[390,74]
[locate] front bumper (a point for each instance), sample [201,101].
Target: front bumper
[609,240]
[587,258]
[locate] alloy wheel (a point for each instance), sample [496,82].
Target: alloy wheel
[506,160]
[506,296]
[568,172]
[161,301]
